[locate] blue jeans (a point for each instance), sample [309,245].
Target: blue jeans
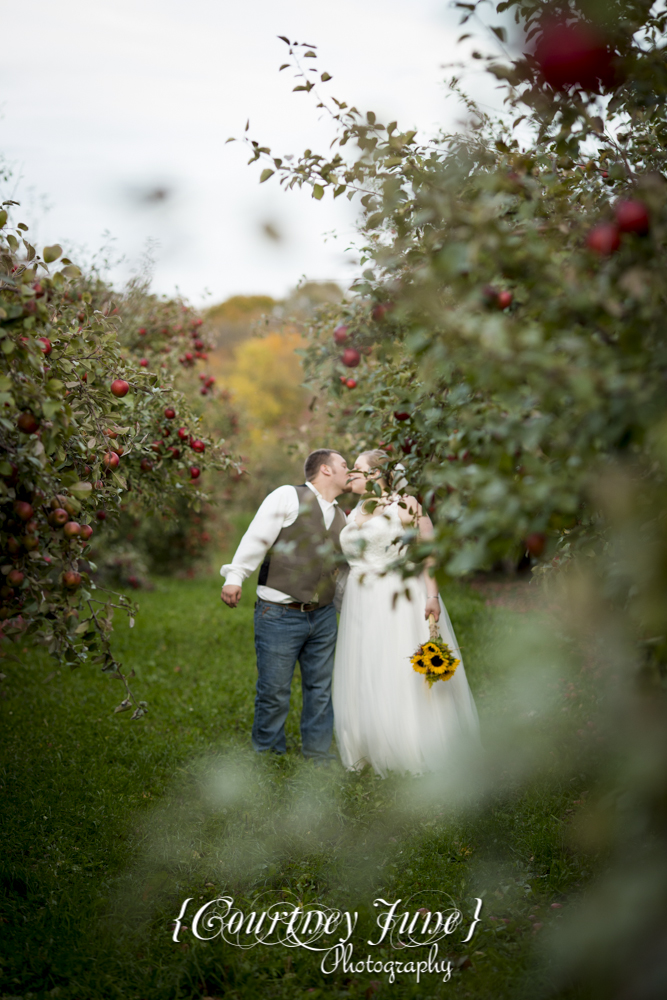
[283,636]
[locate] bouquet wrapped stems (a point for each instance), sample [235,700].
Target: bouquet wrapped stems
[434,659]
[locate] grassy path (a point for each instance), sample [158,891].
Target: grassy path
[108,825]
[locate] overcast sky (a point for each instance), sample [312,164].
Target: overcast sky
[104,102]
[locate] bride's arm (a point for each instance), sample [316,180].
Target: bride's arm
[410,514]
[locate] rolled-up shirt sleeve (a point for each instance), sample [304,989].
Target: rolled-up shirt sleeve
[277,511]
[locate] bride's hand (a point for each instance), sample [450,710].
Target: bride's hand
[432,608]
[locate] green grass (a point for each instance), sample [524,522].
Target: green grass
[109,824]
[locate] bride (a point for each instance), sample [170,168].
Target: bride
[385,714]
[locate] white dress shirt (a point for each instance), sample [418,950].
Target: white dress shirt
[277,511]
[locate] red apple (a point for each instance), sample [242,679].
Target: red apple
[210,381]
[182,433]
[23,510]
[170,413]
[99,484]
[58,517]
[200,345]
[379,312]
[340,334]
[198,446]
[27,422]
[343,378]
[203,391]
[145,465]
[401,415]
[144,362]
[71,579]
[632,217]
[203,376]
[86,532]
[120,388]
[101,515]
[111,460]
[15,577]
[350,357]
[165,432]
[31,543]
[13,546]
[504,300]
[576,53]
[175,452]
[195,473]
[142,331]
[110,434]
[604,238]
[188,356]
[535,543]
[46,344]
[156,446]
[351,383]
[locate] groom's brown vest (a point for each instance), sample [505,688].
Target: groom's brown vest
[302,560]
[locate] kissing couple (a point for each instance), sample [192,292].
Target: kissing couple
[384,713]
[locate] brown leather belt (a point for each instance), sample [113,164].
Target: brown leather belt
[295,605]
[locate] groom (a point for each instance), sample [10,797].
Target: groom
[295,536]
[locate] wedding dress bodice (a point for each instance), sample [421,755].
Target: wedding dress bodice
[374,544]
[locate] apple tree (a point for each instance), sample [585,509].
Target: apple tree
[86,425]
[505,338]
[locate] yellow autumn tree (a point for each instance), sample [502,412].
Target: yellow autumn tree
[265,382]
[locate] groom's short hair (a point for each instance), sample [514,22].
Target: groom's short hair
[316,460]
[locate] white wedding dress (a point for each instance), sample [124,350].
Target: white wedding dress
[385,714]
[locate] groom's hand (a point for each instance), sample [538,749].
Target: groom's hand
[231,595]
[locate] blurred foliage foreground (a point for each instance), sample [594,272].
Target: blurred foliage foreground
[109,827]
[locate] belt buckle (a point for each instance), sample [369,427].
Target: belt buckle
[305,604]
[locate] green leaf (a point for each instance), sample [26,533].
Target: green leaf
[13,242]
[30,250]
[51,253]
[500,33]
[71,271]
[3,217]
[325,77]
[81,490]
[318,191]
[264,176]
[51,407]
[22,226]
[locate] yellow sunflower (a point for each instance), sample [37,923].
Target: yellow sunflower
[419,663]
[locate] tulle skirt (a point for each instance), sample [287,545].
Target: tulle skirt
[385,714]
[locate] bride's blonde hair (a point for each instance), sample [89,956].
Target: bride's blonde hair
[393,481]
[376,458]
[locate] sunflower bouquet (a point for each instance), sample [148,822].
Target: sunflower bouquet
[434,659]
